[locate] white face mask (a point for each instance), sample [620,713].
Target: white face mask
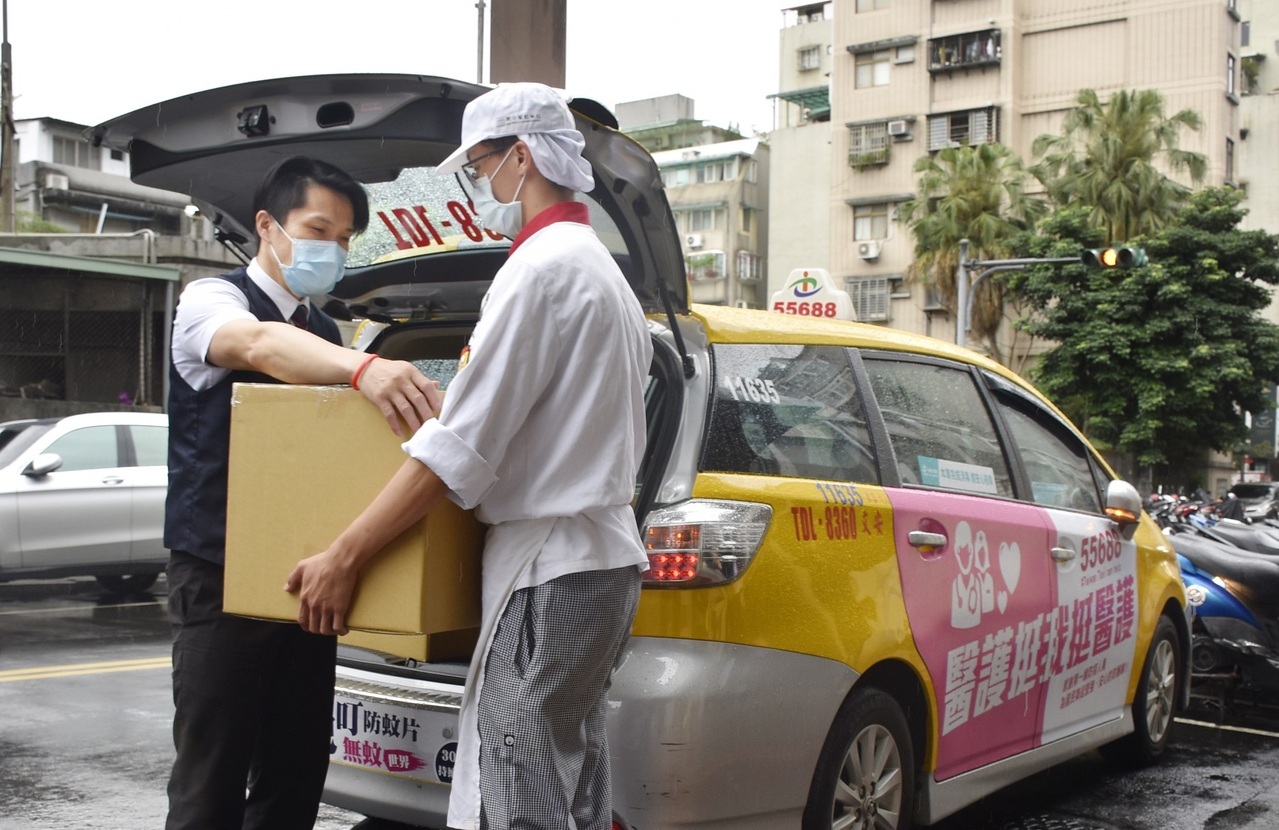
[506,218]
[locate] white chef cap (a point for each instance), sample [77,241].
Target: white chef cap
[538,116]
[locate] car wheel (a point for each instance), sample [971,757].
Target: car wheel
[127,583]
[865,777]
[1155,704]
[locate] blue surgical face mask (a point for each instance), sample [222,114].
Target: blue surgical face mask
[317,266]
[506,218]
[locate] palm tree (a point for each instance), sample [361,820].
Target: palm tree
[974,193]
[1106,159]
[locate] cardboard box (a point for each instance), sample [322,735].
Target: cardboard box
[305,461]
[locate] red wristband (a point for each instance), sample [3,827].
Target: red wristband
[355,378]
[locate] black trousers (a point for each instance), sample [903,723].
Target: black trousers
[254,708]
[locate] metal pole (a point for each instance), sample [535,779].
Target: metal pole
[8,164]
[479,44]
[967,290]
[961,294]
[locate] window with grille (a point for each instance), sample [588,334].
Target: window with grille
[1230,160]
[749,267]
[870,298]
[810,57]
[868,144]
[968,49]
[1230,74]
[967,127]
[705,266]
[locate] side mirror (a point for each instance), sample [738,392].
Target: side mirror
[1123,506]
[43,464]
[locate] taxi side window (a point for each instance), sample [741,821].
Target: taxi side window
[1056,461]
[789,411]
[940,429]
[87,448]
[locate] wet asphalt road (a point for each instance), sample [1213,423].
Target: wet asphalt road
[85,710]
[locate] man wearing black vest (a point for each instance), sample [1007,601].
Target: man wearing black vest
[254,699]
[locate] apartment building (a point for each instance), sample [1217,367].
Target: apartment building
[910,77]
[717,183]
[800,145]
[1255,159]
[63,180]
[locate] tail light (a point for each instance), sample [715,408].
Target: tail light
[703,542]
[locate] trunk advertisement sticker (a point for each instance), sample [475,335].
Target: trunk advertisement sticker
[388,739]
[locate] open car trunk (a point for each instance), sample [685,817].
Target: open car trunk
[424,256]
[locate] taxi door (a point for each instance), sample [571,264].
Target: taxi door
[1094,568]
[976,570]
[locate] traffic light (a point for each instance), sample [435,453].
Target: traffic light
[1114,257]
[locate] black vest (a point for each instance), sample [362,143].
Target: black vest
[200,437]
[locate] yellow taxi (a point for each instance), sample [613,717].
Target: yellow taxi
[886,577]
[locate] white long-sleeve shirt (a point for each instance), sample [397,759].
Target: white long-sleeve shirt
[543,431]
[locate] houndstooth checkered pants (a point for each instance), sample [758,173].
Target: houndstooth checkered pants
[543,749]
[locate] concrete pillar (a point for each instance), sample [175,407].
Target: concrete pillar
[527,41]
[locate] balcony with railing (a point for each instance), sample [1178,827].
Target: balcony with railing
[966,51]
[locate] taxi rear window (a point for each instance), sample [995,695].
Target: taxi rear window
[420,213]
[790,411]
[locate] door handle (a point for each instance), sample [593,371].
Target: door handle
[923,539]
[112,480]
[1062,554]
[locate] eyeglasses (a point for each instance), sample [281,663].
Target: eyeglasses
[469,168]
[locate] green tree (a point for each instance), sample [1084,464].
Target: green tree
[1107,159]
[975,193]
[1161,361]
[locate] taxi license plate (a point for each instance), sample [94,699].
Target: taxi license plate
[407,732]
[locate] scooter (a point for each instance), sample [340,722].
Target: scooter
[1235,597]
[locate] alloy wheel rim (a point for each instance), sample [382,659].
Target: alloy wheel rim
[1160,690]
[868,794]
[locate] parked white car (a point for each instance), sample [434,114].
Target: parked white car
[83,495]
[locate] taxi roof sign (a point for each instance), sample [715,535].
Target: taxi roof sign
[811,292]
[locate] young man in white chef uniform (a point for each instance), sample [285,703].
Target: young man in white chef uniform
[541,432]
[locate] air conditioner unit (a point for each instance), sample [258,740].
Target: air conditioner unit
[56,181]
[899,128]
[869,249]
[693,240]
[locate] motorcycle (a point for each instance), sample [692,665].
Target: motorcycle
[1231,571]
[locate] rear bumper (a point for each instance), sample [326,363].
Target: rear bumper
[713,735]
[701,735]
[387,797]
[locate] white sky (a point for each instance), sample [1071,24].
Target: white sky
[86,61]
